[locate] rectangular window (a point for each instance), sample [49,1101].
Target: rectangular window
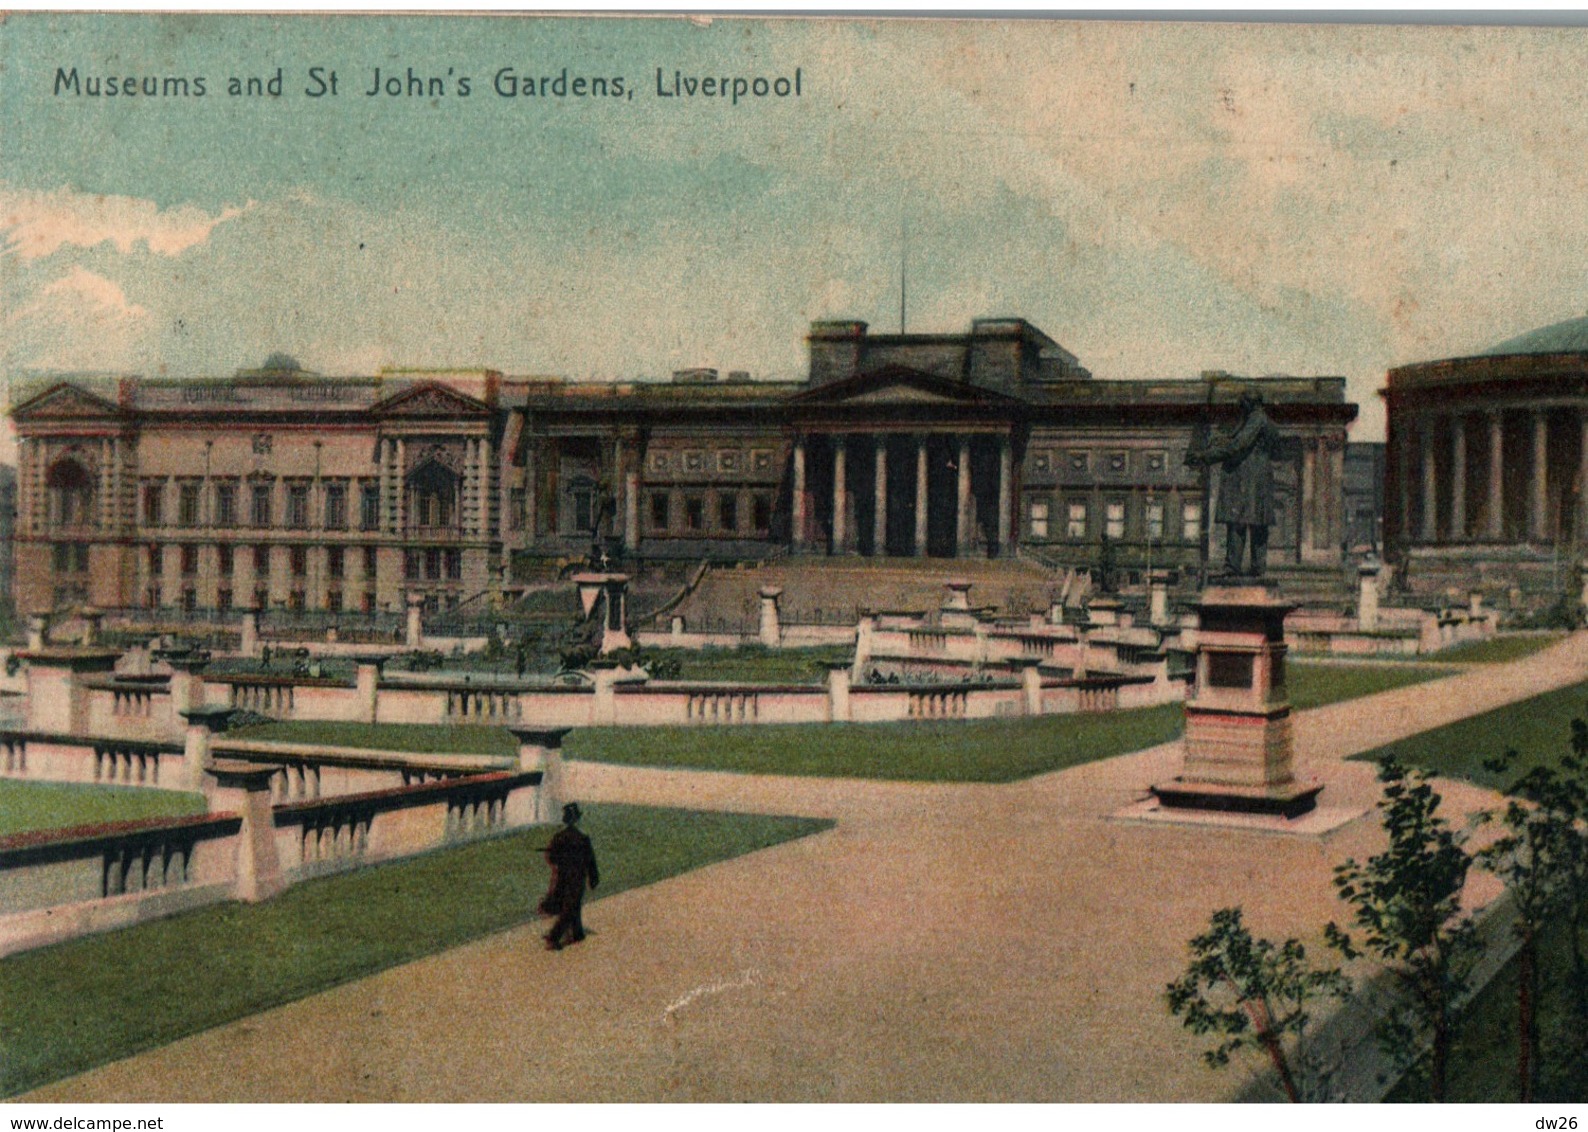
[516,499]
[190,599]
[1114,519]
[1039,518]
[369,507]
[262,562]
[156,560]
[369,601]
[298,506]
[226,505]
[1191,521]
[454,564]
[1155,520]
[333,601]
[661,511]
[296,602]
[223,600]
[153,497]
[260,514]
[433,565]
[583,510]
[335,507]
[189,561]
[694,513]
[1075,525]
[728,513]
[761,512]
[411,565]
[369,563]
[300,561]
[187,505]
[224,561]
[334,562]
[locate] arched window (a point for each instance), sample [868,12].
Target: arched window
[433,496]
[71,491]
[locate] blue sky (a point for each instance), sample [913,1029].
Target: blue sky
[1162,199]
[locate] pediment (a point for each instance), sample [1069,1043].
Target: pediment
[430,400]
[898,385]
[900,393]
[66,402]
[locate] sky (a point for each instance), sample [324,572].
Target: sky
[1161,198]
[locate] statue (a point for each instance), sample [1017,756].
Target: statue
[1246,494]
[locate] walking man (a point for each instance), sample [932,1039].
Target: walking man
[573,863]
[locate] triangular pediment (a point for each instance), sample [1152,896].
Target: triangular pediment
[430,400]
[65,402]
[899,385]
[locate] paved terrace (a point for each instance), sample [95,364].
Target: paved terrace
[942,943]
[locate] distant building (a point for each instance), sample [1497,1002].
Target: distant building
[8,516]
[284,488]
[1364,497]
[1487,461]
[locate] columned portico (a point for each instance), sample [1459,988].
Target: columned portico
[1538,497]
[1496,525]
[841,543]
[879,523]
[962,517]
[920,496]
[1425,432]
[1458,478]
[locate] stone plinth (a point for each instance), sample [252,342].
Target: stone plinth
[540,748]
[613,591]
[1238,744]
[56,700]
[1367,596]
[244,789]
[771,624]
[203,724]
[414,631]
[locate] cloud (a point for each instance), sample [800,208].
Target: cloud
[35,224]
[80,321]
[99,298]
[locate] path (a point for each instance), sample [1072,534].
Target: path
[943,942]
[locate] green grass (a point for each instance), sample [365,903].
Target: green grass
[29,806]
[1314,685]
[1539,728]
[754,663]
[993,750]
[67,1008]
[425,738]
[1497,650]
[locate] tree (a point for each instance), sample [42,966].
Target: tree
[1535,857]
[1406,903]
[1254,995]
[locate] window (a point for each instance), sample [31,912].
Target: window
[694,513]
[369,563]
[262,562]
[190,599]
[411,565]
[156,560]
[517,498]
[71,493]
[296,602]
[1075,525]
[661,511]
[153,497]
[454,563]
[223,600]
[1039,518]
[333,601]
[583,509]
[1155,520]
[300,561]
[335,565]
[728,512]
[433,565]
[298,506]
[226,505]
[189,561]
[260,514]
[71,558]
[761,512]
[369,507]
[368,603]
[336,507]
[1114,519]
[1191,521]
[225,563]
[187,505]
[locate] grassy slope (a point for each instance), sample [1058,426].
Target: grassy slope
[27,806]
[1313,685]
[1499,650]
[464,739]
[67,1008]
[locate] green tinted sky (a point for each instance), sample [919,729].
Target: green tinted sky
[1160,198]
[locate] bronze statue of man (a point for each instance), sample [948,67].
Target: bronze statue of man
[1246,490]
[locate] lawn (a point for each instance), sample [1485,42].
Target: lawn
[1538,728]
[424,738]
[1314,685]
[67,1008]
[27,806]
[1498,650]
[752,662]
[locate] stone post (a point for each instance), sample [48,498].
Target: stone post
[92,619]
[187,682]
[244,789]
[415,637]
[1475,604]
[367,681]
[38,631]
[676,624]
[1367,596]
[540,748]
[956,613]
[1005,498]
[604,704]
[1031,685]
[865,628]
[838,691]
[56,700]
[203,724]
[1158,598]
[1458,478]
[771,625]
[249,645]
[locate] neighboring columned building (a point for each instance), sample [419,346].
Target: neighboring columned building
[1486,462]
[282,488]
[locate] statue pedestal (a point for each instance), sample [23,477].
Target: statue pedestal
[1238,749]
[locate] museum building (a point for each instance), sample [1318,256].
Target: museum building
[280,488]
[1487,461]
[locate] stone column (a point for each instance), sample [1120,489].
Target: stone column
[1367,595]
[879,522]
[1430,528]
[400,511]
[1309,495]
[531,491]
[249,645]
[631,510]
[367,681]
[1458,478]
[1538,496]
[838,691]
[798,535]
[962,500]
[415,636]
[540,748]
[840,496]
[244,789]
[771,625]
[1496,531]
[920,496]
[1005,492]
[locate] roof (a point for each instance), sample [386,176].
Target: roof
[1569,337]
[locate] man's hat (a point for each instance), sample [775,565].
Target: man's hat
[571,813]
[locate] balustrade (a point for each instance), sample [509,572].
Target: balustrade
[13,756]
[722,707]
[126,765]
[149,864]
[937,705]
[484,706]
